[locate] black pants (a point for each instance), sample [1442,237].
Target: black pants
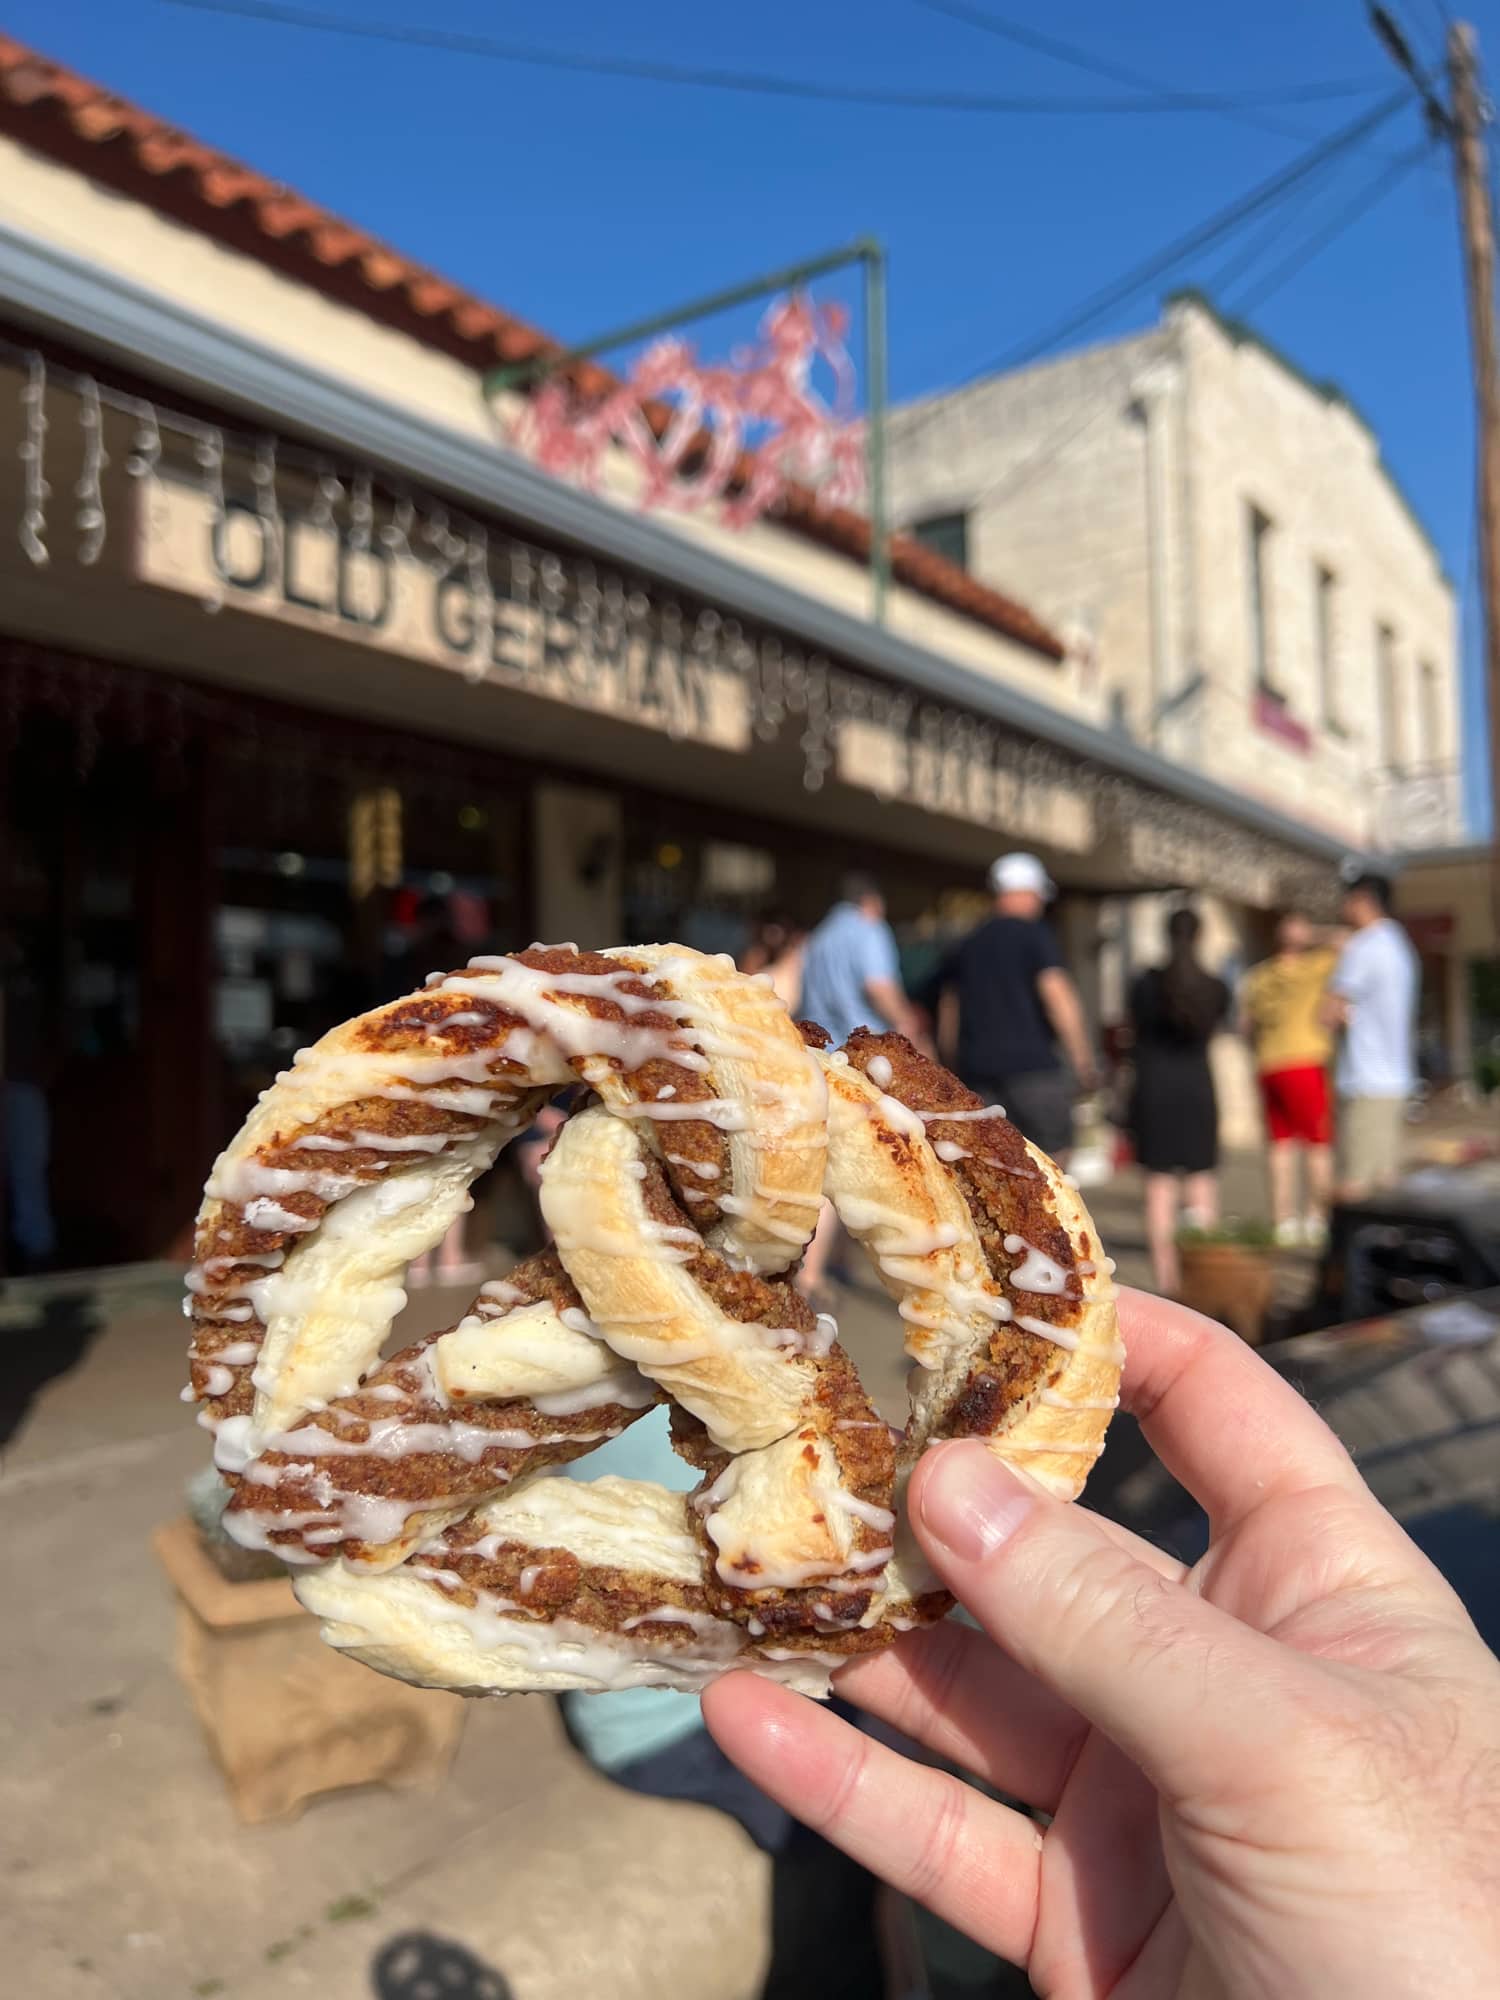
[1038,1101]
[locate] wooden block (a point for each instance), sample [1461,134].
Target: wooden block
[287,1717]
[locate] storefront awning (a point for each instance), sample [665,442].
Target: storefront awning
[910,733]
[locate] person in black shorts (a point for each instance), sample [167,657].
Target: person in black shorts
[1016,1004]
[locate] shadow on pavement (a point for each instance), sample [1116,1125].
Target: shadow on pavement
[41,1344]
[417,1965]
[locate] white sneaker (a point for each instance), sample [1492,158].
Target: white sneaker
[1314,1231]
[1289,1233]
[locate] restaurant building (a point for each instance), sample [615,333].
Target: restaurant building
[309,680]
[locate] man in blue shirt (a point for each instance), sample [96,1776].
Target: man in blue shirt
[851,977]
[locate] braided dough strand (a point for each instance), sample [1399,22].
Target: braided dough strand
[680,1200]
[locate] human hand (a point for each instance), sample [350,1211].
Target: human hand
[1276,1773]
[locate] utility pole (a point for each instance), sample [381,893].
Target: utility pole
[1467,117]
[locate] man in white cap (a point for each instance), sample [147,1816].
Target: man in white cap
[1016,1004]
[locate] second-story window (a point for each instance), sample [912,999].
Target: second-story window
[1257,539]
[946,535]
[1388,698]
[1325,593]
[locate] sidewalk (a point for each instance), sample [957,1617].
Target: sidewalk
[132,1880]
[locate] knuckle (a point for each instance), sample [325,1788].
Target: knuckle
[1103,1589]
[844,1791]
[939,1847]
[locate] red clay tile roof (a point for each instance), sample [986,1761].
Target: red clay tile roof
[55,111]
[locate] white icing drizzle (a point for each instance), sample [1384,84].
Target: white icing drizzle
[1055,1401]
[540,998]
[878,1070]
[698,1622]
[980,1113]
[1038,1272]
[720,1111]
[262,1212]
[837,1500]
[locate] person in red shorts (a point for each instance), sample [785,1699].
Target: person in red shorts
[1282,1009]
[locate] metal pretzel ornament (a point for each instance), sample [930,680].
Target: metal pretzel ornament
[407,1493]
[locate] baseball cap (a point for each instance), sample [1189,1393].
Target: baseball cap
[1021,871]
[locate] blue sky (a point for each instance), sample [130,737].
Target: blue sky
[581,202]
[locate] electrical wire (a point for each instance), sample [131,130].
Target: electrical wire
[1026,37]
[1309,170]
[753,82]
[1282,218]
[1338,225]
[1144,276]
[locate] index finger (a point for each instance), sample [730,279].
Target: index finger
[1223,1423]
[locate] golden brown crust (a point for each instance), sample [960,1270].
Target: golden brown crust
[312,1490]
[676,1231]
[1040,1382]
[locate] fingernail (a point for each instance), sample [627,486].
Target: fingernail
[970,1502]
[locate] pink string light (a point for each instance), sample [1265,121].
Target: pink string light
[762,403]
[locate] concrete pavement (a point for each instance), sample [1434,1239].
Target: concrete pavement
[130,1875]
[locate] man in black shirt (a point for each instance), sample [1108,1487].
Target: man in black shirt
[1016,1003]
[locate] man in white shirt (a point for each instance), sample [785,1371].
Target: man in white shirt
[1373,997]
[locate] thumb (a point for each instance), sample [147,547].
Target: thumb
[1191,1695]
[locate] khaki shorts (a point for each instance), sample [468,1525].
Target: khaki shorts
[1370,1141]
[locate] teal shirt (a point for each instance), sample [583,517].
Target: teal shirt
[617,1729]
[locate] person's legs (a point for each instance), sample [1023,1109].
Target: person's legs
[819,1253]
[1281,1166]
[1352,1149]
[1319,1190]
[1200,1199]
[1161,1232]
[454,1266]
[1040,1104]
[27,1144]
[1387,1140]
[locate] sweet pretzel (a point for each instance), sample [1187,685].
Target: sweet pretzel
[680,1197]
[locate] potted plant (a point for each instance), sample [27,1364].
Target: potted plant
[1227,1272]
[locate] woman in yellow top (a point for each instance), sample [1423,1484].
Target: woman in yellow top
[1282,1010]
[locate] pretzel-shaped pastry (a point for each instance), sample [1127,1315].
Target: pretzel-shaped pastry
[405,1492]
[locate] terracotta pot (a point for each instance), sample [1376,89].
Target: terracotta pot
[1230,1282]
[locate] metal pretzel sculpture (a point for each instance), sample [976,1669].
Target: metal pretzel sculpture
[680,1198]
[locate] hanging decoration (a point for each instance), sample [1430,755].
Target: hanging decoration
[32,452]
[731,435]
[273,526]
[89,491]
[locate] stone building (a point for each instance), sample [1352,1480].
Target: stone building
[1243,584]
[294,648]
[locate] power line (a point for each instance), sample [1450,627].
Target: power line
[1145,275]
[1026,37]
[1308,168]
[1352,211]
[1282,218]
[752,82]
